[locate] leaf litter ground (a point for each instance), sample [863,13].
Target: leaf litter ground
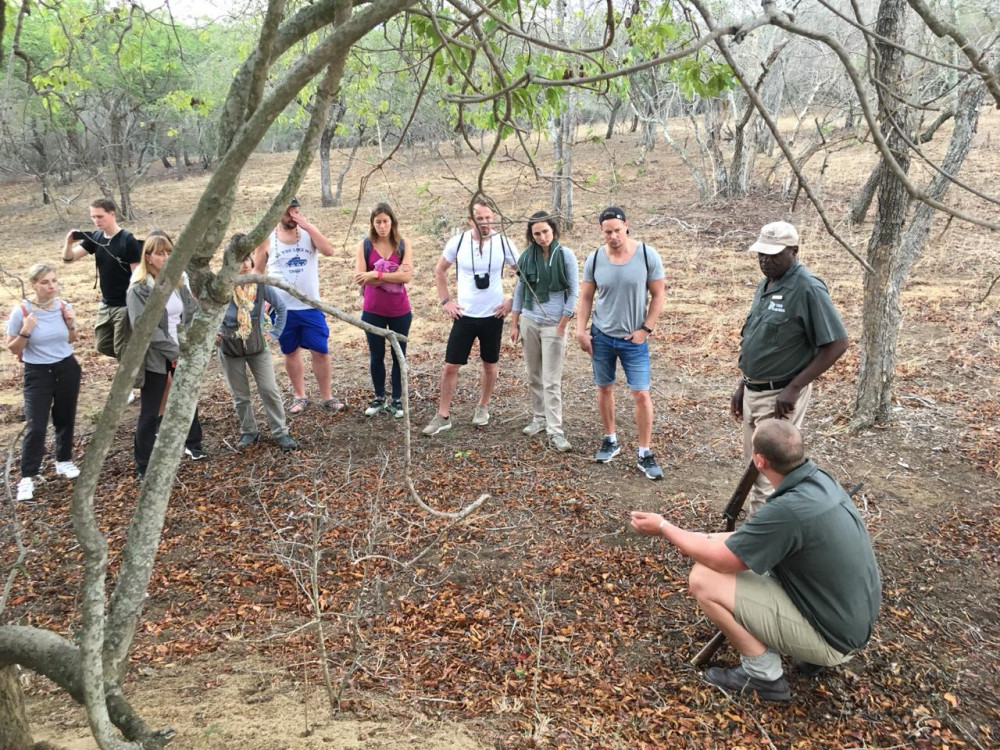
[540,621]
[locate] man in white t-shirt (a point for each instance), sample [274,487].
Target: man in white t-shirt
[479,256]
[291,253]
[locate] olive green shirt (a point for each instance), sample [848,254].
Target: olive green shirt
[811,538]
[787,325]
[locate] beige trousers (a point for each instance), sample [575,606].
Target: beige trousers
[758,406]
[544,350]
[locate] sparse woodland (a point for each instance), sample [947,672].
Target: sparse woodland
[481,579]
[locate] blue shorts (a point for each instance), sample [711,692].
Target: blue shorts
[634,359]
[305,329]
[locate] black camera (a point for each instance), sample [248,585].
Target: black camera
[78,235]
[482,280]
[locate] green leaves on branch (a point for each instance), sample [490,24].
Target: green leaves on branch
[700,76]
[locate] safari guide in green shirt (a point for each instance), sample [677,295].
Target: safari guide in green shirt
[799,578]
[792,335]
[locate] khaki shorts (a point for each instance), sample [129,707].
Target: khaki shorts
[112,330]
[763,608]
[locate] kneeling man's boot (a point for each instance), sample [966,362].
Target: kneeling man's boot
[736,680]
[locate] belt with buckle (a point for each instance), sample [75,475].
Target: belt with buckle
[765,385]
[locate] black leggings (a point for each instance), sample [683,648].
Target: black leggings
[376,351]
[152,392]
[54,387]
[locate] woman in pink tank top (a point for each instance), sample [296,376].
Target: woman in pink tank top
[383,266]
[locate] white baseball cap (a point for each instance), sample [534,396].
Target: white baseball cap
[774,238]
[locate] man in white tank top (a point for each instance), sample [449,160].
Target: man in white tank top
[291,253]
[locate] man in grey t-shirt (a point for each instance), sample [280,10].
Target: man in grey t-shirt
[799,578]
[617,278]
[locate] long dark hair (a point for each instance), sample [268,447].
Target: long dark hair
[540,216]
[384,208]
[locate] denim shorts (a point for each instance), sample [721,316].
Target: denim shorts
[634,359]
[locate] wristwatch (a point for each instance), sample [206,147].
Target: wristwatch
[445,301]
[646,328]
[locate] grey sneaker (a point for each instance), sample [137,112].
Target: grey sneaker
[534,428]
[287,443]
[736,680]
[481,416]
[438,424]
[609,449]
[560,443]
[376,405]
[648,466]
[247,439]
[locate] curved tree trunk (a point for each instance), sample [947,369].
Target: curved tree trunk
[94,670]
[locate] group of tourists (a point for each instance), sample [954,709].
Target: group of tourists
[798,578]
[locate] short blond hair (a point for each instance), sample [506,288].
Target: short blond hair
[38,270]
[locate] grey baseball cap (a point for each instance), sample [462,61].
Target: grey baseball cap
[774,238]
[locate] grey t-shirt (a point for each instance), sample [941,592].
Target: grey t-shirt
[49,342]
[620,300]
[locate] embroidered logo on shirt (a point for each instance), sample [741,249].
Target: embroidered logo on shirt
[775,306]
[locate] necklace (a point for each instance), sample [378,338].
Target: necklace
[48,305]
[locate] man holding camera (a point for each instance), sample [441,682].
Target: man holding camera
[116,253]
[478,312]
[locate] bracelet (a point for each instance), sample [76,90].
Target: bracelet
[379,275]
[24,335]
[646,328]
[659,529]
[445,301]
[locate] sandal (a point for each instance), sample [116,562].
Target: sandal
[299,404]
[334,404]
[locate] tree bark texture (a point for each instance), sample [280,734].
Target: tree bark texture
[613,119]
[337,111]
[863,201]
[14,732]
[881,312]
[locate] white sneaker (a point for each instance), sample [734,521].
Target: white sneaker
[536,426]
[132,398]
[481,416]
[26,488]
[67,469]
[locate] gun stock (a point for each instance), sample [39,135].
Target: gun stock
[739,496]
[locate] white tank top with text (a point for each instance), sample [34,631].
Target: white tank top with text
[296,264]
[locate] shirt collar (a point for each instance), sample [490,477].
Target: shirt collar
[780,283]
[795,477]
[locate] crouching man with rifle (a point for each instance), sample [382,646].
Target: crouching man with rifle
[799,578]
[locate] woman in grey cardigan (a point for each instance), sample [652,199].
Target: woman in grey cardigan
[242,346]
[161,356]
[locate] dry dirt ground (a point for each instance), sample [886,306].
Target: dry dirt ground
[540,621]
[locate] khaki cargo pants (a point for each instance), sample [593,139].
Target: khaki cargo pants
[112,330]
